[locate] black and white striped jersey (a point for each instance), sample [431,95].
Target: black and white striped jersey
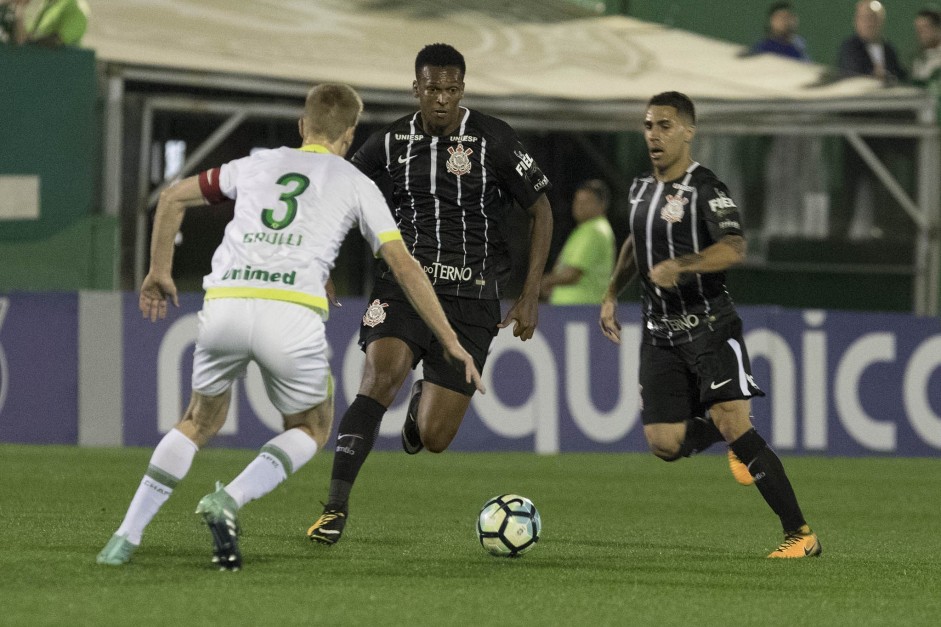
[671,219]
[449,194]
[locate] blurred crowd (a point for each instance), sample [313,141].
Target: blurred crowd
[795,185]
[47,23]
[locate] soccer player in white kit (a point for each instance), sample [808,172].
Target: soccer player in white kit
[266,302]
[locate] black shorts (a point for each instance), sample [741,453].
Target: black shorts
[389,314]
[680,382]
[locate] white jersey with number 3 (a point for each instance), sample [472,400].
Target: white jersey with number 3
[293,209]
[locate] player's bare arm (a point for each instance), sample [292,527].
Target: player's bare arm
[525,311]
[565,275]
[624,272]
[727,252]
[414,282]
[158,285]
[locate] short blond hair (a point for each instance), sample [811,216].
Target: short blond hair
[330,109]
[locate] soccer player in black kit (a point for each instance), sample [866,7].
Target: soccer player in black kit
[454,173]
[695,378]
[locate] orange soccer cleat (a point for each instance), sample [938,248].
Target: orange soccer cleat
[800,543]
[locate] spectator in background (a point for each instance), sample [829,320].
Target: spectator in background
[581,273]
[60,23]
[926,66]
[796,200]
[867,53]
[781,34]
[12,30]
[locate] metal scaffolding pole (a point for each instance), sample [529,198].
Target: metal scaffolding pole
[112,162]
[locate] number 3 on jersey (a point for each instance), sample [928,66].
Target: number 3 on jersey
[289,198]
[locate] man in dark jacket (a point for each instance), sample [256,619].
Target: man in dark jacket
[867,53]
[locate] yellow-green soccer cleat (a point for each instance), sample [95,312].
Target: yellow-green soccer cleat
[329,527]
[739,470]
[117,552]
[220,511]
[800,543]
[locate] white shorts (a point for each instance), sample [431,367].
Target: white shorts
[287,341]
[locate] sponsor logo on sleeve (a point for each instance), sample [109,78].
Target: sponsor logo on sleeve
[721,204]
[525,162]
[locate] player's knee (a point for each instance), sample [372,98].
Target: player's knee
[665,449]
[666,455]
[435,447]
[436,440]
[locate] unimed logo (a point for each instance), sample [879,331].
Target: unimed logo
[4,370]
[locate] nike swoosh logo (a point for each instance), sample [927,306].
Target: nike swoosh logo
[716,386]
[808,551]
[348,435]
[404,159]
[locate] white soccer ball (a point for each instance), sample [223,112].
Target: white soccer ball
[508,525]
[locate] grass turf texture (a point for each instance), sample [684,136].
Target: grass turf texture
[627,539]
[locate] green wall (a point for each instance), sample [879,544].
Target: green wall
[80,256]
[49,128]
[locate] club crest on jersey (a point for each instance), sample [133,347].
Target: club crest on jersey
[459,162]
[375,313]
[673,211]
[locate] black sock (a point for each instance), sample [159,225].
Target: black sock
[356,435]
[770,478]
[701,433]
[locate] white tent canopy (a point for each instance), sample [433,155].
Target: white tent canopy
[591,59]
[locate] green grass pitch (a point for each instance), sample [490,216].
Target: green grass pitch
[627,540]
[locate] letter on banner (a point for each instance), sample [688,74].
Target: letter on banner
[768,345]
[540,413]
[814,365]
[924,361]
[867,350]
[601,426]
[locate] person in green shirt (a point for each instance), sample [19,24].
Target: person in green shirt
[581,272]
[60,23]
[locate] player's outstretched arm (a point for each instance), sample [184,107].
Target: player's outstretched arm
[624,271]
[727,252]
[525,311]
[410,276]
[158,286]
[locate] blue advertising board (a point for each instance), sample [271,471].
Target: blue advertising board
[837,383]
